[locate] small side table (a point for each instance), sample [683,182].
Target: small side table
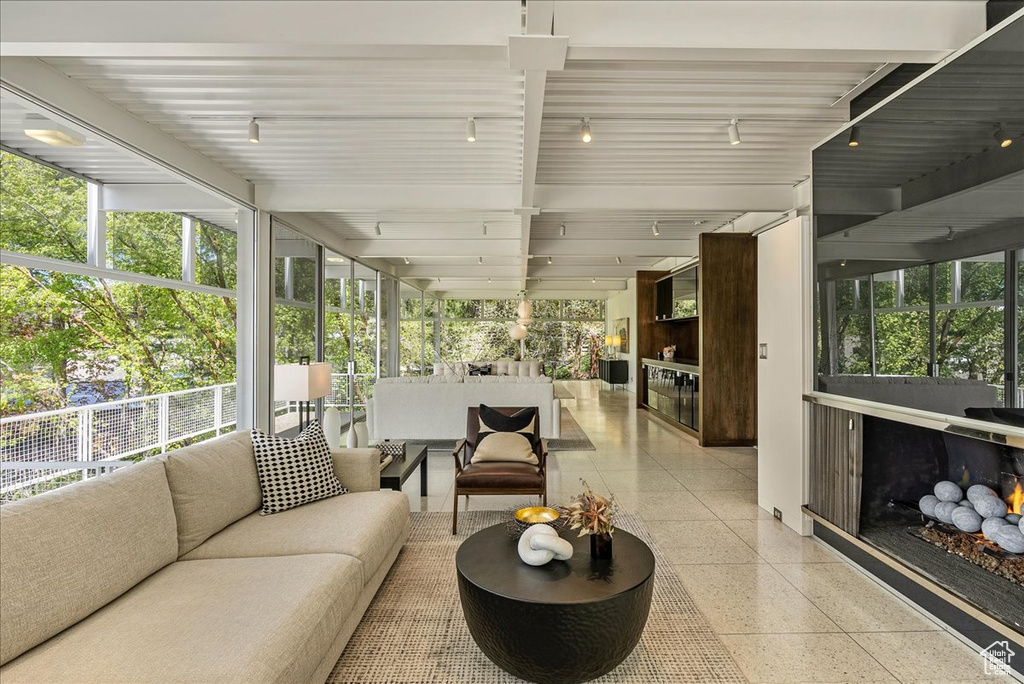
[397,472]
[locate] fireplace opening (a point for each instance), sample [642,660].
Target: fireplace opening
[948,506]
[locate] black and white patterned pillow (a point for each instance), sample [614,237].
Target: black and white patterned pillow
[294,471]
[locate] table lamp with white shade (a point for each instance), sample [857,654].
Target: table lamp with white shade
[302,382]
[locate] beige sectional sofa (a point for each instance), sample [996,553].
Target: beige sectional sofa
[164,571]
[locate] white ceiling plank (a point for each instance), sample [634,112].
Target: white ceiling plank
[289,197]
[175,197]
[648,248]
[192,28]
[427,247]
[31,78]
[765,197]
[876,31]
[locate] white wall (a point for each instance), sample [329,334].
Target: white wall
[783,323]
[623,305]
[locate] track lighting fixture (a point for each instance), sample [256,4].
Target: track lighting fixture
[488,280]
[698,222]
[254,131]
[406,259]
[439,279]
[376,228]
[618,260]
[585,130]
[843,262]
[561,230]
[485,230]
[470,129]
[854,136]
[951,234]
[734,132]
[593,280]
[654,229]
[549,261]
[480,260]
[1001,137]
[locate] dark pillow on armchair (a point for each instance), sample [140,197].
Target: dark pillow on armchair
[479,370]
[506,438]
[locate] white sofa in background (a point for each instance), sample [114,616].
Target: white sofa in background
[949,396]
[434,407]
[530,368]
[165,572]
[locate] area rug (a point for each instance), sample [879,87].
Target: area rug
[414,630]
[573,438]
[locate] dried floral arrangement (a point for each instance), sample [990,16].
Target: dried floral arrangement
[590,513]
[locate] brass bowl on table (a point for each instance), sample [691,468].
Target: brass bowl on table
[532,515]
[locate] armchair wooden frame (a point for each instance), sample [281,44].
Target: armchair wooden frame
[463,455]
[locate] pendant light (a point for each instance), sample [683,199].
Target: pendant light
[854,136]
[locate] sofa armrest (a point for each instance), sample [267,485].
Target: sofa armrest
[358,470]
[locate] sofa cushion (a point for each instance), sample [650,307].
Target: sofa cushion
[296,471]
[213,484]
[251,620]
[364,525]
[69,552]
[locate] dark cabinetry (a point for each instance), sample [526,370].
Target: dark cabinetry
[673,393]
[613,371]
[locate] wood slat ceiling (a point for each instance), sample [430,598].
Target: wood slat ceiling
[325,121]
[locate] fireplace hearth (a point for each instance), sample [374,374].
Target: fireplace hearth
[913,481]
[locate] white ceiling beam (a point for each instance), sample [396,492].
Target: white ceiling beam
[295,197]
[870,31]
[458,271]
[655,247]
[728,198]
[470,31]
[540,267]
[176,197]
[41,87]
[439,247]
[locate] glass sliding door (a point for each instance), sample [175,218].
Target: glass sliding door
[294,310]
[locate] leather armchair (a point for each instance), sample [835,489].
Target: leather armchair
[497,477]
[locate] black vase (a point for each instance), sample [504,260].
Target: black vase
[601,546]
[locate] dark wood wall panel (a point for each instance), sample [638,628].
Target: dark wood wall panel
[651,336]
[728,322]
[837,464]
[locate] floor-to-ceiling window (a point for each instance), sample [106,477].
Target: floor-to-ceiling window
[566,334]
[117,329]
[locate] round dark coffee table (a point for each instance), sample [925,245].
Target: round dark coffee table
[561,623]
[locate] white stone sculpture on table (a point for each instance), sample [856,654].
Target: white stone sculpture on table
[540,544]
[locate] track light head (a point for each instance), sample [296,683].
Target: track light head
[406,260]
[254,132]
[549,261]
[376,228]
[561,230]
[854,140]
[734,132]
[488,280]
[1001,137]
[843,262]
[654,229]
[485,229]
[470,129]
[593,280]
[618,260]
[951,234]
[585,134]
[480,260]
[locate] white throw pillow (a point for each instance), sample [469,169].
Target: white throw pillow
[294,472]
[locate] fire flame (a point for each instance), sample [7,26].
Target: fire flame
[1015,500]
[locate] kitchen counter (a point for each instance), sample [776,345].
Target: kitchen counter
[672,365]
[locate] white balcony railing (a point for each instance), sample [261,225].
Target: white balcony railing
[45,450]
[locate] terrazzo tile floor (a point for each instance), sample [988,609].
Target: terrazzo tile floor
[788,609]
